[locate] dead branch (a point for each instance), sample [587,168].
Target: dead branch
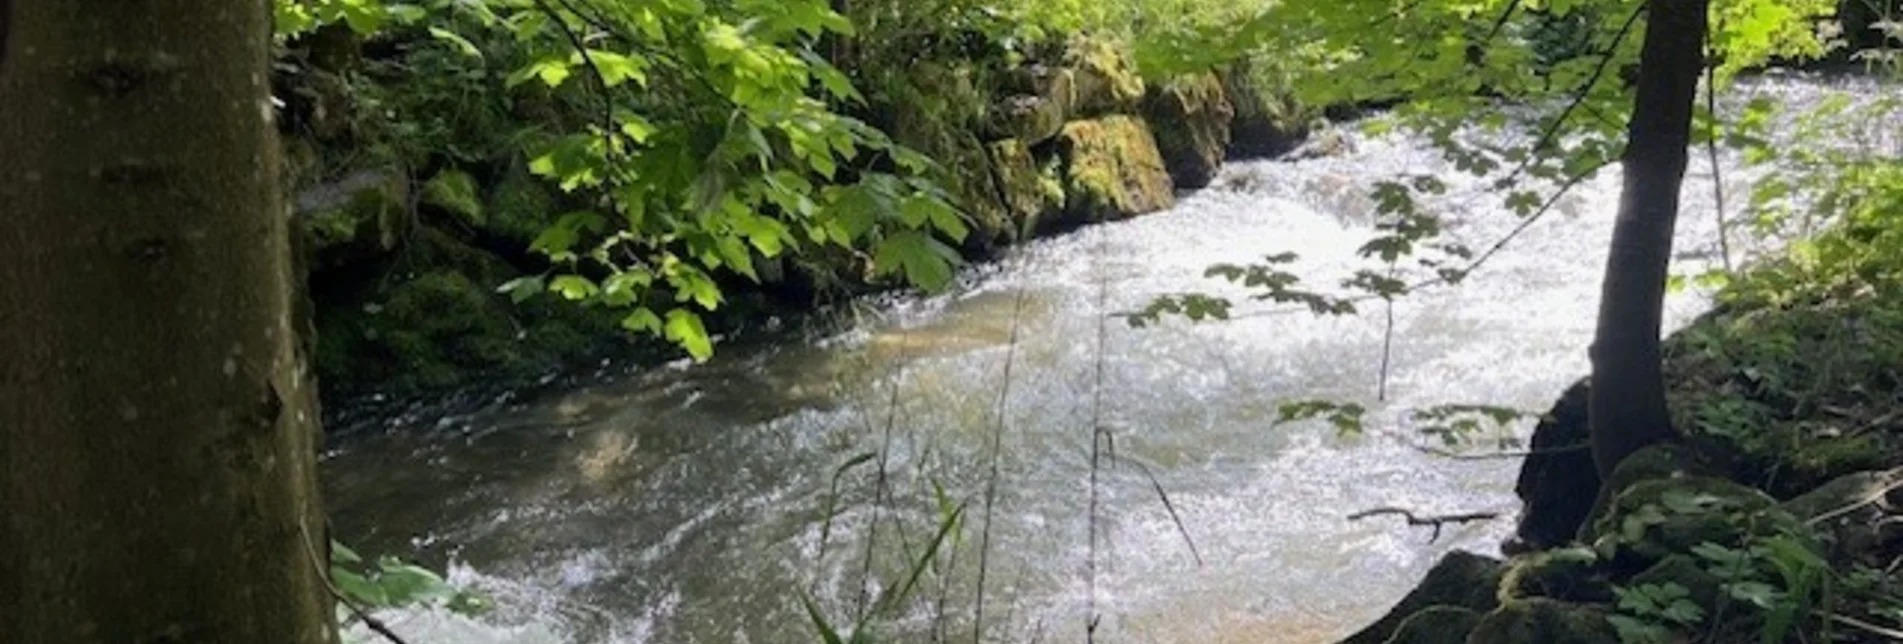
[1436,521]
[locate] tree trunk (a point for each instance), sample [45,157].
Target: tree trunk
[157,441]
[1627,409]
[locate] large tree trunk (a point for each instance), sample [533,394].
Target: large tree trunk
[157,461]
[1627,409]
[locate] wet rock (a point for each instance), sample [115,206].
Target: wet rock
[1326,140]
[1267,123]
[1459,580]
[1543,621]
[1111,170]
[1190,117]
[1558,481]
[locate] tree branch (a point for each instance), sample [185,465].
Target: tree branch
[1436,521]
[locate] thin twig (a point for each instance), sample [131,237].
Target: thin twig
[1717,174]
[1488,456]
[1867,498]
[1579,97]
[1097,434]
[323,574]
[1893,634]
[1170,507]
[1434,521]
[991,484]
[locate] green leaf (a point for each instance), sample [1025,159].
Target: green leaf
[925,262]
[574,287]
[642,320]
[684,328]
[460,43]
[522,288]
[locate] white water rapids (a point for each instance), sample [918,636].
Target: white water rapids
[686,504]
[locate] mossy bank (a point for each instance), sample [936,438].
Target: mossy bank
[415,203]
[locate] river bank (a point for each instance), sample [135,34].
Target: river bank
[416,207]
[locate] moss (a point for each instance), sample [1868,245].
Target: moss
[518,207]
[1190,116]
[1800,392]
[1459,579]
[455,192]
[433,321]
[359,216]
[1684,571]
[1026,192]
[1107,80]
[1655,518]
[1436,625]
[1544,621]
[1268,121]
[1037,113]
[1111,170]
[1570,574]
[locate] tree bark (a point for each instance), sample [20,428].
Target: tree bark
[157,441]
[1627,403]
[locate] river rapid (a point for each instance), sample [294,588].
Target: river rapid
[689,504]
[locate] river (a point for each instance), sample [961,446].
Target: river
[687,504]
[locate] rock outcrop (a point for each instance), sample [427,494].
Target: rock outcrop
[1190,117]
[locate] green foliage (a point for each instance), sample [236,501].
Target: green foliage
[393,583]
[701,139]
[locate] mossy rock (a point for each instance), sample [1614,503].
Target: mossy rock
[1543,621]
[1026,192]
[1656,518]
[1436,625]
[1037,113]
[1107,79]
[1190,117]
[1684,571]
[1862,512]
[518,207]
[1268,121]
[1111,170]
[1569,574]
[434,321]
[356,218]
[1460,579]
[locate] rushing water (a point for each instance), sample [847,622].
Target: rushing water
[688,504]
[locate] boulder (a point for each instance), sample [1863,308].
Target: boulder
[1460,580]
[1863,512]
[1111,169]
[1436,625]
[356,218]
[1106,78]
[1570,574]
[518,208]
[1543,621]
[1558,481]
[1040,101]
[1658,517]
[1190,117]
[1027,191]
[1267,123]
